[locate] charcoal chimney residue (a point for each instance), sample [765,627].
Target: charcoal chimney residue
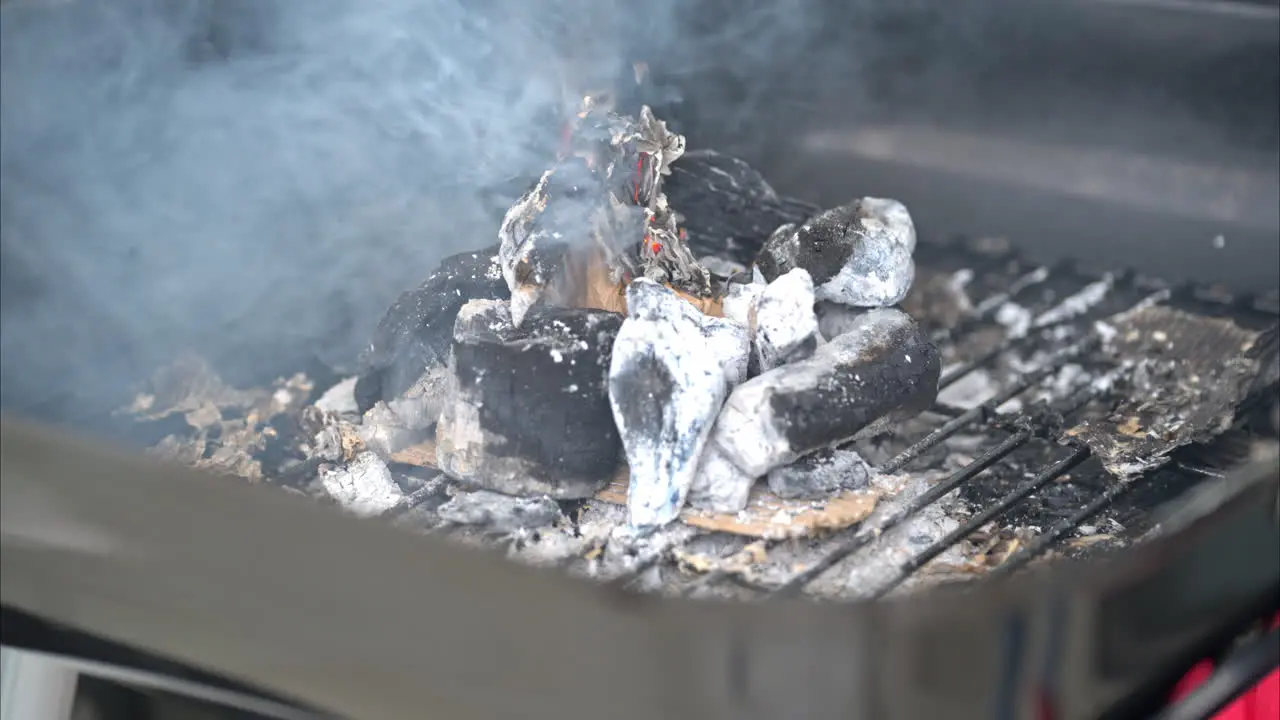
[253,180]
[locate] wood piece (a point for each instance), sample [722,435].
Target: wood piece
[769,516]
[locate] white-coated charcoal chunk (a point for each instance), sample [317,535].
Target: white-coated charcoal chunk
[414,337]
[528,412]
[364,487]
[881,371]
[498,512]
[671,369]
[819,475]
[721,267]
[783,325]
[835,319]
[739,299]
[719,486]
[858,254]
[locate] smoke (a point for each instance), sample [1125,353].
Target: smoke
[254,180]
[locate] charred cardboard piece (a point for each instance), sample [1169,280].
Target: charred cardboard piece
[1190,373]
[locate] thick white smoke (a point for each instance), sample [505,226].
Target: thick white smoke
[254,180]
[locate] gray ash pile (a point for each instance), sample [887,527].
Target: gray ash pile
[798,408]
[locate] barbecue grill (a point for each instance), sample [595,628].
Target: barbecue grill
[1009,571]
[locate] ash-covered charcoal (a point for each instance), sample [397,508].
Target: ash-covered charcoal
[410,347]
[835,319]
[671,370]
[385,432]
[719,485]
[1190,373]
[858,254]
[783,325]
[498,512]
[528,412]
[820,475]
[881,371]
[722,268]
[340,399]
[364,486]
[727,208]
[739,299]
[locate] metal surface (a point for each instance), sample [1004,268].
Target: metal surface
[370,622]
[35,686]
[1117,133]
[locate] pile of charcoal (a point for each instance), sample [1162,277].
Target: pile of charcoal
[709,379]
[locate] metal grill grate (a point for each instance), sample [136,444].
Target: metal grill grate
[1069,306]
[1022,429]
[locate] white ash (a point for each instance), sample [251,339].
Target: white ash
[335,438]
[670,372]
[1015,318]
[1078,303]
[499,513]
[629,547]
[721,267]
[867,570]
[364,486]
[958,284]
[739,298]
[340,399]
[719,485]
[418,408]
[1067,380]
[784,327]
[835,319]
[820,475]
[385,432]
[547,546]
[969,390]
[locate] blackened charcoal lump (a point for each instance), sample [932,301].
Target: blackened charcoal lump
[858,254]
[528,409]
[727,207]
[416,332]
[820,475]
[882,371]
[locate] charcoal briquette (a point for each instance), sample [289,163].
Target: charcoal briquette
[727,207]
[882,371]
[858,254]
[819,475]
[528,410]
[415,334]
[672,368]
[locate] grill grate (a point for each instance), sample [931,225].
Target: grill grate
[1074,303]
[1025,429]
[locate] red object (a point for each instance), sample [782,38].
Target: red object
[1261,702]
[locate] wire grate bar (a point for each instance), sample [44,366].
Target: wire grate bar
[991,304]
[861,539]
[951,427]
[1079,455]
[1046,540]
